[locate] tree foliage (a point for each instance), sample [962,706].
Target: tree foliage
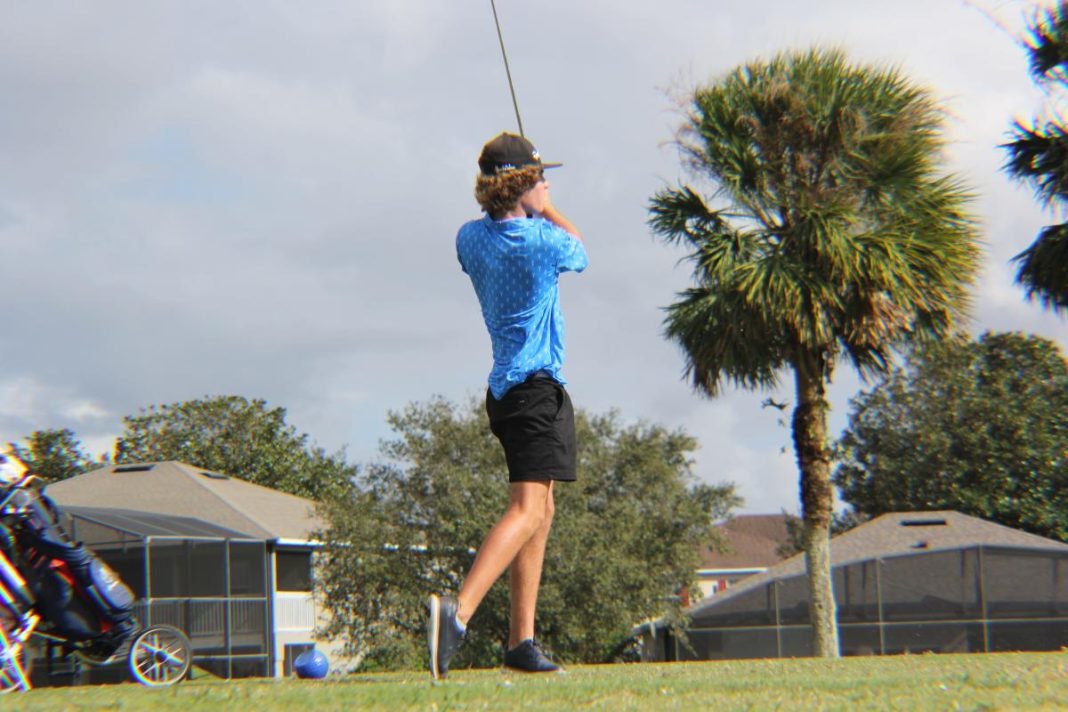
[1038,156]
[53,455]
[976,426]
[836,235]
[624,537]
[238,437]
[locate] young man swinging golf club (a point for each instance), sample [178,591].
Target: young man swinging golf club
[514,256]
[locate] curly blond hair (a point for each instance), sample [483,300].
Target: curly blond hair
[497,194]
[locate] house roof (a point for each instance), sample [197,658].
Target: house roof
[896,534]
[753,540]
[146,524]
[181,490]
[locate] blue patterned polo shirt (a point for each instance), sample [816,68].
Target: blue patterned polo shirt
[514,265]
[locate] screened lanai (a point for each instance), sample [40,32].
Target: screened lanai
[208,581]
[932,582]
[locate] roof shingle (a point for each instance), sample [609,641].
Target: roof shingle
[754,541]
[182,490]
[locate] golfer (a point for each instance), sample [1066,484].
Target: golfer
[514,256]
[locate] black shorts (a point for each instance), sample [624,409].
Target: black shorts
[535,423]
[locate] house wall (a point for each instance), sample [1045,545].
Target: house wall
[295,618]
[713,581]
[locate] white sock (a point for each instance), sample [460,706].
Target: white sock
[460,624]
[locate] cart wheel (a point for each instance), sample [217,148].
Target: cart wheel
[160,656]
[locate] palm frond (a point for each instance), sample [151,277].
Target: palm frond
[1048,42]
[1043,268]
[1038,155]
[723,340]
[683,216]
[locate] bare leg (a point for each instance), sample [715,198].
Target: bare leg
[524,578]
[523,519]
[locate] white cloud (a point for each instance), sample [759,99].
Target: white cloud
[26,405]
[81,411]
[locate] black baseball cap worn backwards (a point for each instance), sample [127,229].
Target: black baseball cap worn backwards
[507,152]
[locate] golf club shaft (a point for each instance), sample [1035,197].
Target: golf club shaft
[507,70]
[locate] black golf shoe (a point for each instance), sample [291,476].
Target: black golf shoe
[529,657]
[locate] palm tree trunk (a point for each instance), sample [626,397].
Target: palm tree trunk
[817,499]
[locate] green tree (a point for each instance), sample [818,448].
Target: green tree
[976,426]
[625,537]
[836,237]
[238,437]
[53,455]
[1038,155]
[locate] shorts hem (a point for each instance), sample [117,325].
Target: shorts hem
[541,478]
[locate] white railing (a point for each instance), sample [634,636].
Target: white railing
[294,611]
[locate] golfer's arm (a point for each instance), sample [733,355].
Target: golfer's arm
[556,218]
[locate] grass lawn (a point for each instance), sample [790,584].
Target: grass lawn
[1022,681]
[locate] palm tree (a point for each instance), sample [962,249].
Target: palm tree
[835,238]
[1038,154]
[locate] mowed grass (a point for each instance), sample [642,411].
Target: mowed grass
[1024,681]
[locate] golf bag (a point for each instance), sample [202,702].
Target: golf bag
[77,593]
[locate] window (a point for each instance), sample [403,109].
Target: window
[294,570]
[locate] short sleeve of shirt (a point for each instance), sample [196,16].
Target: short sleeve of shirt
[570,252]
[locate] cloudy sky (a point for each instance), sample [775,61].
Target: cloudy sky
[260,198]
